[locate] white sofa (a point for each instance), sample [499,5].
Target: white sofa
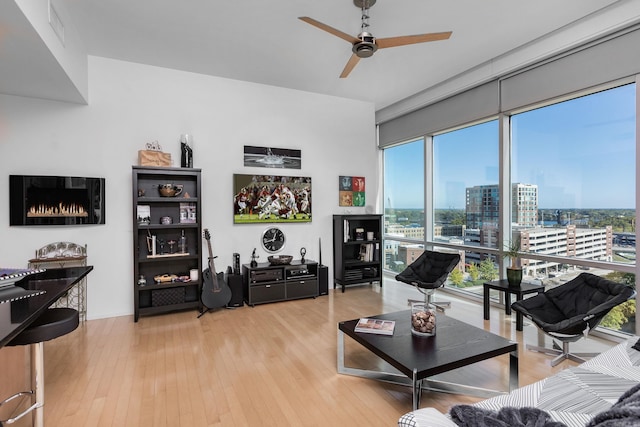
[573,396]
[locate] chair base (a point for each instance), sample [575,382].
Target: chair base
[441,305]
[53,323]
[562,354]
[438,305]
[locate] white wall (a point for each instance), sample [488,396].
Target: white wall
[132,104]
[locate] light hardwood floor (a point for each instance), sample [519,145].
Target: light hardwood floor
[271,365]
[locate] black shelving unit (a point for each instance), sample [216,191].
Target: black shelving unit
[357,249]
[151,297]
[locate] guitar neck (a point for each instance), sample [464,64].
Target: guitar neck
[211,264]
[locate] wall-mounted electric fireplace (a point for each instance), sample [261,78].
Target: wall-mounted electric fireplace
[56,200]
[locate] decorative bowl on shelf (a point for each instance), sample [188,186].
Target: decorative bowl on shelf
[280,259]
[170,190]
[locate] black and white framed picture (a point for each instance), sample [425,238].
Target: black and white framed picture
[271,157]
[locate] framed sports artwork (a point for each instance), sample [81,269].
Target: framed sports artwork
[271,198]
[272,157]
[351,191]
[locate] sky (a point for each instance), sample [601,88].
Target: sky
[581,154]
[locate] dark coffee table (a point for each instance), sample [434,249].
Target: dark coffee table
[456,344]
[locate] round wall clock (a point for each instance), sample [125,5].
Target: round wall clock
[273,239]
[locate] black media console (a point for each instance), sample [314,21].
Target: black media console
[271,283]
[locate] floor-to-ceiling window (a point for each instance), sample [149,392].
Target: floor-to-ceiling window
[574,166]
[404,183]
[569,193]
[465,185]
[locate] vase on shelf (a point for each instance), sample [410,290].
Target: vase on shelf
[186,150]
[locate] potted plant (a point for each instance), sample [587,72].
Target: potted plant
[514,270]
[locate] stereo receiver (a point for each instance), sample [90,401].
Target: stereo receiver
[298,272]
[269,275]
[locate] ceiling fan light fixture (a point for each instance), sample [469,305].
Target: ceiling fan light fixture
[364,4]
[366,47]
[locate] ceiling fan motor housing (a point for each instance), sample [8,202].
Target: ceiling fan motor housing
[366,47]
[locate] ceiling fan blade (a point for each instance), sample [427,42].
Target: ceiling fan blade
[329,29]
[353,61]
[405,40]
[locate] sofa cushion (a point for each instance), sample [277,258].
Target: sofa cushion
[624,413]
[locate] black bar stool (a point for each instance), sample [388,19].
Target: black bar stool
[53,323]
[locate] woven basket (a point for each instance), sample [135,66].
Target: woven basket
[169,296]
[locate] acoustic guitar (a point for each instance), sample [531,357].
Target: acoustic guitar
[215,291]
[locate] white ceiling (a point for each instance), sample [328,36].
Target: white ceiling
[263,41]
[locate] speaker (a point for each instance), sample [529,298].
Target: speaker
[237,291]
[236,263]
[323,280]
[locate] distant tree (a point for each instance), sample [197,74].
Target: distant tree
[621,277]
[456,277]
[619,315]
[450,216]
[397,267]
[488,270]
[473,271]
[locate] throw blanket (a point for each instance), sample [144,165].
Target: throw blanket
[624,413]
[470,416]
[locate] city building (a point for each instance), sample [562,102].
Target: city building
[586,243]
[524,204]
[482,210]
[482,206]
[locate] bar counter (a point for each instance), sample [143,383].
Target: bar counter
[17,315]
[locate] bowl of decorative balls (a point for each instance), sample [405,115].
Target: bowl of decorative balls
[423,320]
[280,259]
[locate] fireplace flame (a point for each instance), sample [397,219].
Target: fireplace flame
[62,209]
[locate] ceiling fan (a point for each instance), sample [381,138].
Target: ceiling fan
[365,44]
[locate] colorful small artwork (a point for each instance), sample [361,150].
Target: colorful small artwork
[351,191]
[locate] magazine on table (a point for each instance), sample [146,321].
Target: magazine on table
[375,326]
[9,276]
[9,291]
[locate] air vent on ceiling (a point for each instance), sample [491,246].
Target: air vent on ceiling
[56,23]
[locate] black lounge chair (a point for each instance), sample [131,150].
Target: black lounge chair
[429,272]
[570,311]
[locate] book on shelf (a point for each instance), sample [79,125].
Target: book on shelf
[144,214]
[375,326]
[188,213]
[366,252]
[345,231]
